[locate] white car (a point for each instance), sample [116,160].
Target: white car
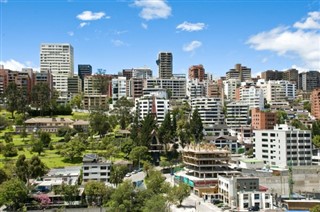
[128,175]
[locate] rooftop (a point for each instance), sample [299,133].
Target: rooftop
[205,148]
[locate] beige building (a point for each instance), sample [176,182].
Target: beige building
[315,103]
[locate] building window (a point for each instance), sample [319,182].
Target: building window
[103,174]
[86,174]
[256,196]
[86,168]
[103,167]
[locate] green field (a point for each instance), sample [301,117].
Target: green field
[49,157]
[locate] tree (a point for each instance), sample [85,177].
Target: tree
[122,198]
[43,200]
[127,145]
[281,116]
[22,169]
[13,194]
[147,166]
[73,148]
[8,138]
[37,145]
[298,124]
[69,192]
[122,108]
[76,101]
[99,123]
[3,176]
[118,172]
[9,150]
[135,128]
[148,125]
[154,181]
[196,127]
[165,131]
[316,128]
[307,106]
[45,138]
[156,203]
[316,141]
[10,94]
[139,153]
[41,97]
[95,192]
[179,193]
[36,167]
[315,208]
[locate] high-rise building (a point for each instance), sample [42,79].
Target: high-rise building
[84,70]
[196,72]
[176,86]
[251,95]
[118,88]
[165,65]
[58,58]
[291,75]
[239,72]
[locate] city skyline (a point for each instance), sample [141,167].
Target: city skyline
[116,35]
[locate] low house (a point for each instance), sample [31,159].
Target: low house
[81,125]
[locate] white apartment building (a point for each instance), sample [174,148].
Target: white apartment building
[230,87]
[177,86]
[237,114]
[95,168]
[152,104]
[241,193]
[119,86]
[289,88]
[252,96]
[210,111]
[195,89]
[279,91]
[283,145]
[58,58]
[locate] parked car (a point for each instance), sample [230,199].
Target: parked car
[128,174]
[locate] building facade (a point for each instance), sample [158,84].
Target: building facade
[164,63]
[261,120]
[237,114]
[176,86]
[315,103]
[239,72]
[95,168]
[283,145]
[196,72]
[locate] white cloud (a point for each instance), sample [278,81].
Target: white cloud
[312,22]
[70,33]
[192,46]
[118,43]
[144,26]
[153,9]
[190,27]
[264,60]
[83,24]
[285,41]
[17,66]
[90,16]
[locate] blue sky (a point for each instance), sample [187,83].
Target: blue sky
[113,35]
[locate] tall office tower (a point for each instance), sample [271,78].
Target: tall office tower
[196,72]
[315,103]
[58,58]
[239,72]
[165,65]
[84,70]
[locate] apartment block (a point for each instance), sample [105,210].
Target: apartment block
[135,87]
[74,85]
[196,72]
[239,72]
[153,104]
[309,80]
[195,89]
[291,75]
[272,75]
[251,95]
[84,70]
[95,168]
[315,103]
[261,120]
[210,111]
[177,86]
[283,145]
[119,87]
[230,87]
[237,114]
